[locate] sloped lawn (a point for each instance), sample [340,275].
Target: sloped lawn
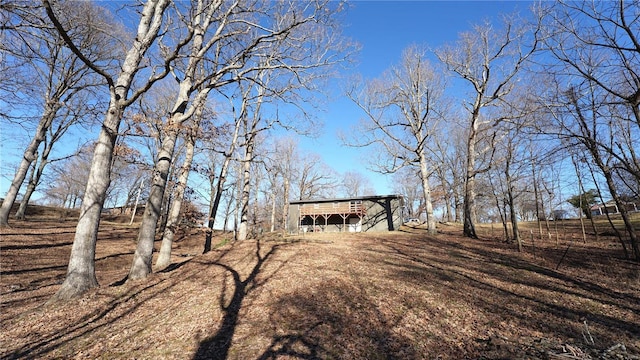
[400,295]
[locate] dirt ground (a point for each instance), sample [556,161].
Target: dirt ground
[395,295]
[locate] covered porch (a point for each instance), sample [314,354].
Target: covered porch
[332,216]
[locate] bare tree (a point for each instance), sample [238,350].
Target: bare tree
[272,189]
[514,162]
[173,219]
[314,179]
[123,91]
[355,183]
[280,163]
[581,123]
[407,183]
[208,23]
[252,127]
[53,76]
[489,60]
[448,150]
[274,83]
[519,111]
[596,95]
[627,184]
[288,151]
[65,184]
[218,187]
[600,42]
[401,112]
[269,39]
[53,134]
[128,170]
[258,214]
[198,24]
[582,201]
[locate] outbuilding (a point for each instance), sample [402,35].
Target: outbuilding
[612,208]
[356,214]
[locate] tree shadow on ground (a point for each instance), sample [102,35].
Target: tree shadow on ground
[217,346]
[32,284]
[335,319]
[37,246]
[174,266]
[99,317]
[516,290]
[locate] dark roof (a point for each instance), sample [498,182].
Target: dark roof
[370,197]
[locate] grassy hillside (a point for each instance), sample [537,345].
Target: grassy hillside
[401,295]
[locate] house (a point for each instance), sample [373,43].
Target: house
[356,214]
[612,208]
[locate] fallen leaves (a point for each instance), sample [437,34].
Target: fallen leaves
[322,296]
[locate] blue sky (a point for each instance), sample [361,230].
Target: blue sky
[384,29]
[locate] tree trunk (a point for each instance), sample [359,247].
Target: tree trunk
[633,238]
[167,198]
[469,206]
[36,175]
[589,215]
[510,198]
[426,190]
[273,211]
[447,206]
[613,227]
[211,220]
[34,180]
[81,274]
[216,203]
[142,258]
[502,208]
[544,211]
[469,228]
[536,195]
[81,270]
[594,228]
[514,217]
[580,207]
[447,193]
[457,208]
[30,154]
[238,203]
[227,215]
[135,205]
[255,230]
[219,188]
[246,188]
[285,210]
[31,185]
[180,113]
[164,258]
[502,211]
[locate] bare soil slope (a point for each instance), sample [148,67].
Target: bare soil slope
[400,295]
